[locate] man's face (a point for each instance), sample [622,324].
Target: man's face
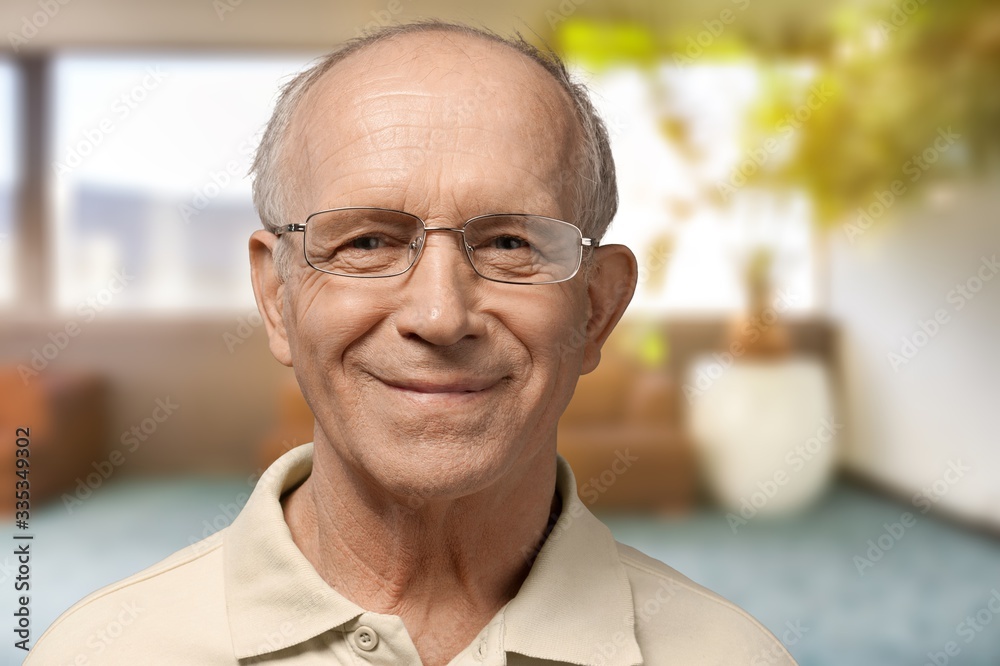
[436,382]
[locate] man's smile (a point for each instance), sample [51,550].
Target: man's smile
[455,386]
[441,390]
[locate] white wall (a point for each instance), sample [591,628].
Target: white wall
[909,422]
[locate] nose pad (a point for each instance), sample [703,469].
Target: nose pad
[415,246]
[470,254]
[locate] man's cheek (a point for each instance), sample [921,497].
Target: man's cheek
[558,352]
[570,343]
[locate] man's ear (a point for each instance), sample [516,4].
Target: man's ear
[268,290]
[612,283]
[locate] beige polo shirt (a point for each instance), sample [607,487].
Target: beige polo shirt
[247,595]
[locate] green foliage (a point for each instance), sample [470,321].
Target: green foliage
[896,74]
[898,81]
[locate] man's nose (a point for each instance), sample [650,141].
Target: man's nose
[440,293]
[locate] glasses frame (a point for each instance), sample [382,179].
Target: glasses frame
[583,242]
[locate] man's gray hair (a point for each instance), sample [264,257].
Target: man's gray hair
[591,172]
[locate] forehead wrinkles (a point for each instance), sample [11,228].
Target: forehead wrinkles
[427,96]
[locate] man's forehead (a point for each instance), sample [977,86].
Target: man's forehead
[475,93]
[445,59]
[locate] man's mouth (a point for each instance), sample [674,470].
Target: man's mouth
[465,385]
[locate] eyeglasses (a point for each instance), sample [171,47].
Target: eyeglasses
[513,248]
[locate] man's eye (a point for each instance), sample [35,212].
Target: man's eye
[508,243]
[366,243]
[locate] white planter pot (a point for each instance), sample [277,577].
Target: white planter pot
[765,431]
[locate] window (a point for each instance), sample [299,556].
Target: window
[677,135]
[149,164]
[8,178]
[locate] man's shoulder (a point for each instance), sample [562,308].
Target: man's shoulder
[678,619]
[151,617]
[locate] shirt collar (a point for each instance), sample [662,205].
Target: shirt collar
[271,588]
[575,605]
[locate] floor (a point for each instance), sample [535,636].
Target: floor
[798,575]
[801,572]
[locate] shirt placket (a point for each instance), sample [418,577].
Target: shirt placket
[486,649]
[372,638]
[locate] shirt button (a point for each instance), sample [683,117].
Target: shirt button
[365,638]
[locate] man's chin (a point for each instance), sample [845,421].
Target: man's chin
[423,468]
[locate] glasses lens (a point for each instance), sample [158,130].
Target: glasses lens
[523,248]
[362,241]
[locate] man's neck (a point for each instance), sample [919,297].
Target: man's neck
[445,567]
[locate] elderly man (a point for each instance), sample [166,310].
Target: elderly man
[434,197]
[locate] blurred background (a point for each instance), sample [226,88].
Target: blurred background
[806,379]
